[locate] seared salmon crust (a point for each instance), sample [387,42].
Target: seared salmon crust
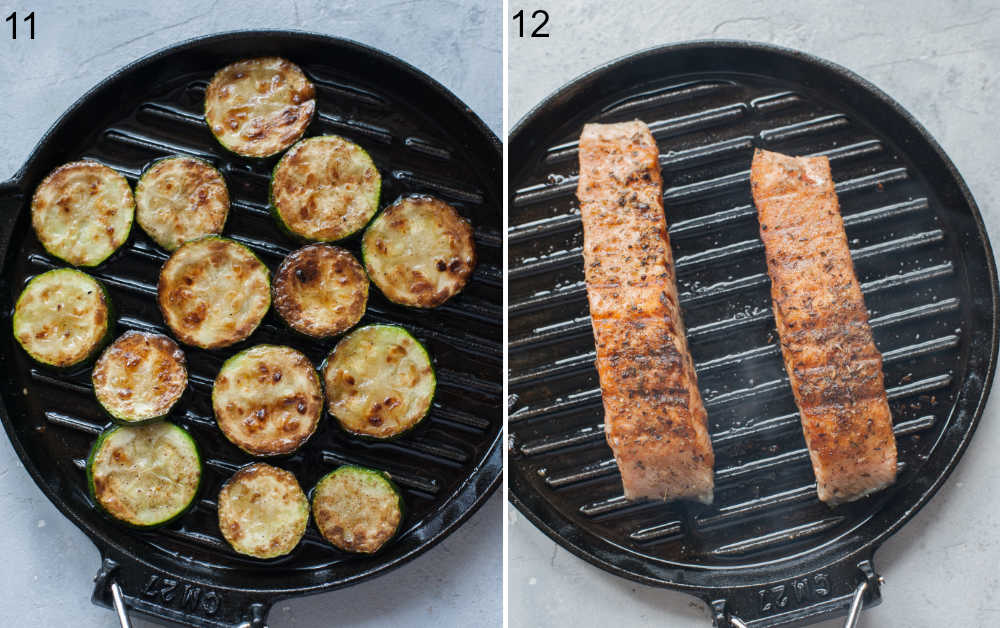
[833,365]
[654,418]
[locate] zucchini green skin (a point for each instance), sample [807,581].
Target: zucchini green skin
[275,449]
[143,180]
[401,432]
[288,229]
[98,346]
[179,363]
[39,205]
[174,319]
[347,472]
[92,488]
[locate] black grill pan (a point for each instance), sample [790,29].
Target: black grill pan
[422,140]
[767,552]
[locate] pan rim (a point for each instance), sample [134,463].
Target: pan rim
[17,178]
[470,492]
[799,562]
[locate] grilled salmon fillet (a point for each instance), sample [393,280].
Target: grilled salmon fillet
[832,363]
[654,418]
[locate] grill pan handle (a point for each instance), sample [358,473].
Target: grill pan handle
[11,199]
[133,589]
[852,616]
[839,589]
[120,608]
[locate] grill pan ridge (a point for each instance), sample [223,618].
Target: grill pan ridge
[767,551]
[422,140]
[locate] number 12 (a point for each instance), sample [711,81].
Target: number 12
[519,18]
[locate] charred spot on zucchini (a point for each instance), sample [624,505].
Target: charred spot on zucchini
[144,475]
[140,377]
[419,251]
[82,212]
[379,381]
[180,199]
[325,189]
[320,290]
[213,292]
[267,400]
[259,107]
[357,509]
[63,317]
[262,511]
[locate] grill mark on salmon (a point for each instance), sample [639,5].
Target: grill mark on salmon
[654,418]
[833,365]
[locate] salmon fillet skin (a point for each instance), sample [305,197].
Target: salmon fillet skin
[654,418]
[833,365]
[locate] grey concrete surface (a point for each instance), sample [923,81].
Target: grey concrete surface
[48,565]
[940,60]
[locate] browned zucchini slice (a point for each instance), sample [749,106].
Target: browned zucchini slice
[320,290]
[259,107]
[419,251]
[357,509]
[140,377]
[82,212]
[325,189]
[180,199]
[144,475]
[63,317]
[262,511]
[213,292]
[379,381]
[267,400]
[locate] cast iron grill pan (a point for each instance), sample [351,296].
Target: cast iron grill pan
[767,552]
[422,140]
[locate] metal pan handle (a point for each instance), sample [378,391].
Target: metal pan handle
[119,599]
[853,615]
[840,589]
[857,604]
[135,589]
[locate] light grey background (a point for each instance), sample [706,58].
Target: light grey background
[941,61]
[48,565]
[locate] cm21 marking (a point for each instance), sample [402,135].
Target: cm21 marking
[782,596]
[186,597]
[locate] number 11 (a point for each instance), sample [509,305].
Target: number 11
[30,19]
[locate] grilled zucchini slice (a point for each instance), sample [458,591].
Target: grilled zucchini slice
[325,189]
[357,509]
[180,199]
[262,511]
[63,317]
[82,212]
[320,290]
[419,251]
[144,475]
[213,292]
[267,400]
[140,377]
[379,381]
[259,107]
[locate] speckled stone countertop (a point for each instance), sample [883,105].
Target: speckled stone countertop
[49,564]
[941,61]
